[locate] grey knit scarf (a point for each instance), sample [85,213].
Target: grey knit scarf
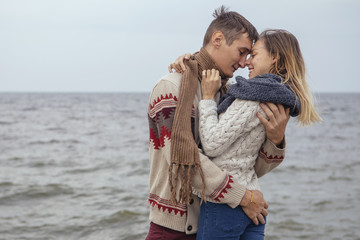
[263,88]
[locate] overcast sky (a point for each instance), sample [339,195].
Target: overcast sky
[118,46]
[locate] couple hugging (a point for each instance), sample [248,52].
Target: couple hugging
[210,142]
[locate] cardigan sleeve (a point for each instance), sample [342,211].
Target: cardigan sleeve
[217,133]
[161,112]
[270,156]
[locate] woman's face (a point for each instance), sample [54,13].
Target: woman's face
[260,61]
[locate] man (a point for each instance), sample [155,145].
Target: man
[178,168]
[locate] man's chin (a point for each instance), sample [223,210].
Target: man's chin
[230,75]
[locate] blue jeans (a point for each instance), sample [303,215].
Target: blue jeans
[219,221]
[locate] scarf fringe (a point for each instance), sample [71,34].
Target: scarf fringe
[185,171]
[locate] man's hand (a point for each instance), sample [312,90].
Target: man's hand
[179,65]
[278,119]
[254,206]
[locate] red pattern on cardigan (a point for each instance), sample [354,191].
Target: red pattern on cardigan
[166,205]
[157,103]
[160,114]
[270,158]
[159,141]
[222,189]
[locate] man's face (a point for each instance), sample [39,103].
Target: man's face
[230,58]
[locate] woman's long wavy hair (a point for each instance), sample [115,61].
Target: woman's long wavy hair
[290,65]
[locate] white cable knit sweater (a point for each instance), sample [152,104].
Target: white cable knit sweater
[233,139]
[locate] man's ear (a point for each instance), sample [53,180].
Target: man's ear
[217,39]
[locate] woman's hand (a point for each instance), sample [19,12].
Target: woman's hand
[210,83]
[179,65]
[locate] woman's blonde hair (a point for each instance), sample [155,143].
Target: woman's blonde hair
[290,65]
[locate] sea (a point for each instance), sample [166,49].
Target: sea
[76,166]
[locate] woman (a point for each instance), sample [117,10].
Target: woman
[232,134]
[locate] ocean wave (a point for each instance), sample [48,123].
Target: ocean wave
[322,203]
[340,178]
[6,184]
[92,133]
[15,159]
[126,111]
[98,167]
[54,141]
[296,168]
[56,129]
[36,192]
[42,163]
[83,170]
[340,137]
[120,216]
[290,225]
[137,172]
[27,109]
[6,123]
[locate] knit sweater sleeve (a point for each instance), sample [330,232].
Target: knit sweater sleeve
[217,133]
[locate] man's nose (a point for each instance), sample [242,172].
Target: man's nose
[242,62]
[247,62]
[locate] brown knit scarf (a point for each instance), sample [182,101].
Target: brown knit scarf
[184,150]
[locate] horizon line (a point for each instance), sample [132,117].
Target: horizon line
[112,92]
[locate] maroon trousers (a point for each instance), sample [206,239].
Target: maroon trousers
[157,232]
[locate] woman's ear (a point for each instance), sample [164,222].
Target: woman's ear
[275,59]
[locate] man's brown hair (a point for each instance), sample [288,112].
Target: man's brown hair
[231,24]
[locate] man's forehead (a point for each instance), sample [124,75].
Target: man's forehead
[245,41]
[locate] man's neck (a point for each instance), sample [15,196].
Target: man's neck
[211,50]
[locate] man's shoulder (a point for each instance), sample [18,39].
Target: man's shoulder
[167,84]
[172,78]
